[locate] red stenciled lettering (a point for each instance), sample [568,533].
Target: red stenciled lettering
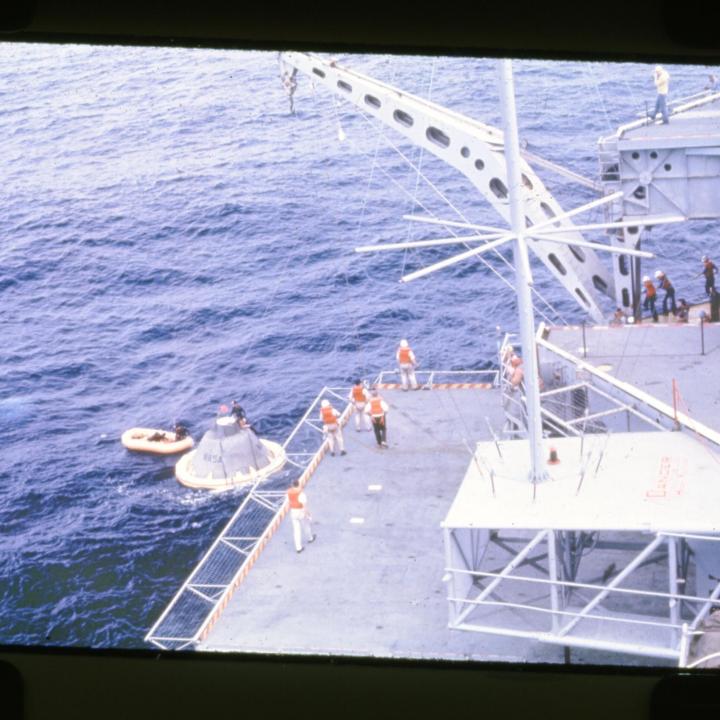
[670,479]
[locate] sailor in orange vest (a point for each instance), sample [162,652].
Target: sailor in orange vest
[359,398]
[376,409]
[665,284]
[650,297]
[709,270]
[299,516]
[407,363]
[331,427]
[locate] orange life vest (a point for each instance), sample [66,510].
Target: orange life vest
[650,289]
[404,355]
[328,415]
[376,407]
[294,496]
[665,284]
[358,393]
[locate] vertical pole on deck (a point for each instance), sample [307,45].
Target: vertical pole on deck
[450,576]
[675,396]
[522,272]
[702,332]
[553,574]
[584,341]
[673,604]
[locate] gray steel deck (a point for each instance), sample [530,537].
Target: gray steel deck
[650,356]
[372,583]
[697,125]
[374,588]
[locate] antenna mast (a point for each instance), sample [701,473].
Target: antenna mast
[522,271]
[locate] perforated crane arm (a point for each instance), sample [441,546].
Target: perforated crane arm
[476,150]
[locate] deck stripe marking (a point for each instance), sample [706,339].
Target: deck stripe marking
[441,386]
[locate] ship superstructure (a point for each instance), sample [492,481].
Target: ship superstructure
[659,169]
[612,546]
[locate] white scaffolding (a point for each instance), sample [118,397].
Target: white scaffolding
[602,556]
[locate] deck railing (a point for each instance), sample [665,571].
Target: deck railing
[666,630]
[197,605]
[443,379]
[203,596]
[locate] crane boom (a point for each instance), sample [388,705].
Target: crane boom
[476,150]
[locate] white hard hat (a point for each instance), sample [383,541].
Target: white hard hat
[658,68]
[325,403]
[704,258]
[659,274]
[646,278]
[403,343]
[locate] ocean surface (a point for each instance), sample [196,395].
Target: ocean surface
[172,238]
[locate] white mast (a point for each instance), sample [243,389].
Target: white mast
[441,132]
[522,272]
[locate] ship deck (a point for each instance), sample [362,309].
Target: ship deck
[697,125]
[372,583]
[650,356]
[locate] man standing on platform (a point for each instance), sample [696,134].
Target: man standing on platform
[709,270]
[662,82]
[376,409]
[331,427]
[665,284]
[406,361]
[299,516]
[359,398]
[650,297]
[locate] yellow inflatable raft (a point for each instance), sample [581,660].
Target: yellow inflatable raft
[138,439]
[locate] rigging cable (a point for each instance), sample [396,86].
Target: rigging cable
[453,232]
[355,325]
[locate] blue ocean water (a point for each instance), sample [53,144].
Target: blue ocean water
[173,238]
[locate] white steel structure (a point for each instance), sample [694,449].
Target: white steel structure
[476,150]
[516,565]
[515,552]
[672,168]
